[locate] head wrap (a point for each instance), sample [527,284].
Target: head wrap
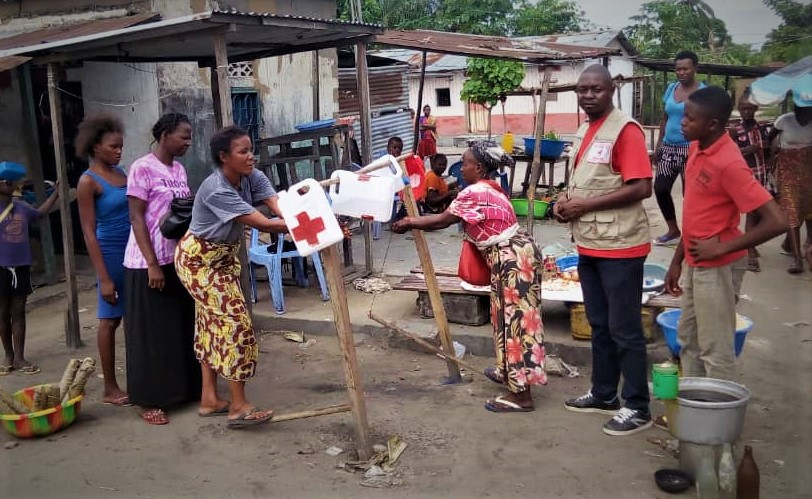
[491,156]
[802,97]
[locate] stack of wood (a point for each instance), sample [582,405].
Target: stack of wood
[73,383]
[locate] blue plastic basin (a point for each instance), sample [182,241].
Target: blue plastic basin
[669,319]
[549,148]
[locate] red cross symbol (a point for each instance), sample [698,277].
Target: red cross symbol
[308,229]
[364,178]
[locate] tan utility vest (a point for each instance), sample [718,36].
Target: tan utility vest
[593,176]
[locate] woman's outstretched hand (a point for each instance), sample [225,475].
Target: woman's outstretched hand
[402,226]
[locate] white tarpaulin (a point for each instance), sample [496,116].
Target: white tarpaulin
[797,78]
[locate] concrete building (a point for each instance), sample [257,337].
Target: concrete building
[445,77]
[269,95]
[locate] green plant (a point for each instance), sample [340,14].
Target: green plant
[488,82]
[551,135]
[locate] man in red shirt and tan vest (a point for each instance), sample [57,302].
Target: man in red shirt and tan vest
[604,204]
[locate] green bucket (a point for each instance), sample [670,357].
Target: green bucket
[539,207]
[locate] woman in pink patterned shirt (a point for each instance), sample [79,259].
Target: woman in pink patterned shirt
[515,263]
[159,320]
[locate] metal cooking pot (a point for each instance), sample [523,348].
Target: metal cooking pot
[708,411]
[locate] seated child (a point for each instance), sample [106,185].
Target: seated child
[438,194]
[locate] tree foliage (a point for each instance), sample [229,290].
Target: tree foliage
[489,80]
[484,17]
[547,17]
[792,40]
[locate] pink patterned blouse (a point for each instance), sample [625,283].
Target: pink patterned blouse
[157,184]
[486,212]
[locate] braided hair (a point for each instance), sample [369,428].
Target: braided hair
[491,156]
[168,123]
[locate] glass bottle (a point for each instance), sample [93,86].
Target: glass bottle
[707,483]
[727,474]
[748,481]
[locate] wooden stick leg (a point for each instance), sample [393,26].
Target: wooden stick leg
[346,343]
[335,409]
[423,343]
[433,289]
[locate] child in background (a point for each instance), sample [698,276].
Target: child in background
[438,194]
[15,269]
[719,187]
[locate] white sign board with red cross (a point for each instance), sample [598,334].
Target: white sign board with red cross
[309,218]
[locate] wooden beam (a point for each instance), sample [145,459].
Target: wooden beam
[346,343]
[223,97]
[316,86]
[46,238]
[362,79]
[336,409]
[436,299]
[419,110]
[73,338]
[535,170]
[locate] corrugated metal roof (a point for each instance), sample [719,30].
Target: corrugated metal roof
[388,89]
[12,62]
[386,126]
[248,36]
[715,69]
[74,29]
[499,47]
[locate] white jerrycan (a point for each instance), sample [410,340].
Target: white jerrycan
[308,215]
[362,196]
[392,170]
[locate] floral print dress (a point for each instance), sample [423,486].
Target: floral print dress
[516,268]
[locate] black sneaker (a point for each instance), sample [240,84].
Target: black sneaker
[628,422]
[590,403]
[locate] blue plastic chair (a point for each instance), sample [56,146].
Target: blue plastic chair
[258,254]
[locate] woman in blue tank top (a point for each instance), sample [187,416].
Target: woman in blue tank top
[671,153]
[103,209]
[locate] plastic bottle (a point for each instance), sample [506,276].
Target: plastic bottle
[748,481]
[507,142]
[707,483]
[727,474]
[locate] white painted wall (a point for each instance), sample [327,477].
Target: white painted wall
[286,90]
[128,91]
[565,103]
[12,140]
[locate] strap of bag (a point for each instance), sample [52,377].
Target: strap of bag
[6,211]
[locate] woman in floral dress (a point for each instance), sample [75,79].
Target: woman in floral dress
[515,265]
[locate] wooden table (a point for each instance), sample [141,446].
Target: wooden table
[550,162]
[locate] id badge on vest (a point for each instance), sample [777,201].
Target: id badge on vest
[600,152]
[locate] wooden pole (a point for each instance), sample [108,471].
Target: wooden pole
[46,238]
[316,86]
[423,343]
[352,375]
[653,96]
[222,97]
[73,338]
[535,170]
[362,79]
[432,287]
[336,409]
[418,112]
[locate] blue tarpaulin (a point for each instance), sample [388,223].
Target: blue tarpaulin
[795,78]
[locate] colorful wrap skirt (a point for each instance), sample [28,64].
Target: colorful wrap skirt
[224,336]
[793,175]
[518,333]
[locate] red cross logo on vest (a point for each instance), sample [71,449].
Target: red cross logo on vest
[308,229]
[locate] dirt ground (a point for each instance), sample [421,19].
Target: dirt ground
[456,448]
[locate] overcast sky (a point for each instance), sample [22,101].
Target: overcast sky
[748,21]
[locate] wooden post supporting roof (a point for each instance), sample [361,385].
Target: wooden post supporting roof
[37,176]
[535,171]
[365,108]
[419,109]
[73,337]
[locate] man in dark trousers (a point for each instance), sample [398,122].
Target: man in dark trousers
[604,205]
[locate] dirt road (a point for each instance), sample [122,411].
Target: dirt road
[456,448]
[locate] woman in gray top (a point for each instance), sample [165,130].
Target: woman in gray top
[207,263]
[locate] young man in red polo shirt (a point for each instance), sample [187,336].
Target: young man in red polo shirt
[719,187]
[604,205]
